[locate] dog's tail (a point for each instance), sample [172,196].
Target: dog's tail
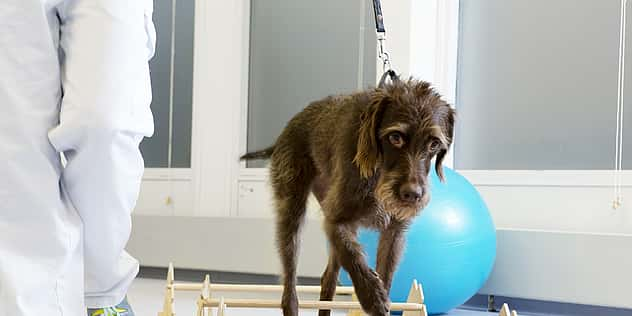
[260,154]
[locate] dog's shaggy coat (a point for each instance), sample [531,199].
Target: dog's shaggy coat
[366,158]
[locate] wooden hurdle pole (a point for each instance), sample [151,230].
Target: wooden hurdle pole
[255,288]
[327,305]
[413,307]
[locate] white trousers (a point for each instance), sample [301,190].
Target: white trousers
[74,79]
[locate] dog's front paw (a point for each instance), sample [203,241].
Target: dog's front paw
[382,305]
[374,297]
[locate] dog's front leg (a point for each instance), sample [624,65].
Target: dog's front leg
[389,251]
[368,286]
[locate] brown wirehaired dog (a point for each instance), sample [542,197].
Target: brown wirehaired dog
[366,157]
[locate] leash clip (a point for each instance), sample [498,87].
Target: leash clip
[383,53]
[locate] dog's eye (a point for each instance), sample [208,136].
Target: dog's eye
[396,139]
[434,145]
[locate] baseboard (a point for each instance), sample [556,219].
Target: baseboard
[220,277]
[538,307]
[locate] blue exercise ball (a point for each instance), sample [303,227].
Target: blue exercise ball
[450,248]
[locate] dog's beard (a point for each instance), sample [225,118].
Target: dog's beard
[391,204]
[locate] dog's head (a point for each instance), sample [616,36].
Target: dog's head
[404,128]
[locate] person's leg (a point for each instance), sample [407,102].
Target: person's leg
[106,45]
[41,268]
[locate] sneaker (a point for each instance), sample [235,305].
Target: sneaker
[122,309]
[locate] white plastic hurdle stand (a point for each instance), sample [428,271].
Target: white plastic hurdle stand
[169,301]
[505,311]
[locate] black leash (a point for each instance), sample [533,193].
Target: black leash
[379,19]
[389,73]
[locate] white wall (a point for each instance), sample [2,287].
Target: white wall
[397,21]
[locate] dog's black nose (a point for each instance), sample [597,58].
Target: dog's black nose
[410,192]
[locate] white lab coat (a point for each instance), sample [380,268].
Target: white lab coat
[74,79]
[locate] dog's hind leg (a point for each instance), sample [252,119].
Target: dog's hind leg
[329,281]
[291,181]
[290,217]
[291,211]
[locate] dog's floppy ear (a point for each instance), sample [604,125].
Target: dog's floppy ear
[367,152]
[444,117]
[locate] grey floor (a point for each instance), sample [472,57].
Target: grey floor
[146,297]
